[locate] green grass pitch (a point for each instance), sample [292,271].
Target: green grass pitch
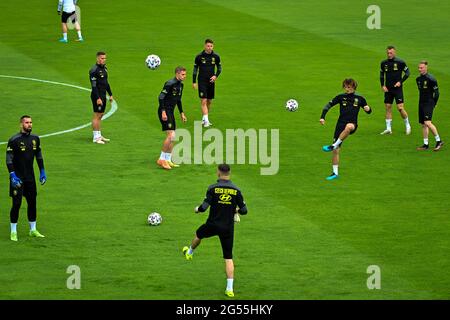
[304,237]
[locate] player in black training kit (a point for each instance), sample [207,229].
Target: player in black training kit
[391,80]
[208,66]
[170,97]
[21,151]
[98,75]
[350,103]
[428,98]
[224,198]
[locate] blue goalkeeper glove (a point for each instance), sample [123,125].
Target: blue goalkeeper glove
[15,180]
[42,177]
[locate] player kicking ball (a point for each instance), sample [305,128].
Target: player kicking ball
[350,103]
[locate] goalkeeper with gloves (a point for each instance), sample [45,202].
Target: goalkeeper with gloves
[226,203]
[22,149]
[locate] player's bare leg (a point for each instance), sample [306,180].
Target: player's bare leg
[429,125]
[78,29]
[229,270]
[404,114]
[167,148]
[96,122]
[206,103]
[189,251]
[388,119]
[64,32]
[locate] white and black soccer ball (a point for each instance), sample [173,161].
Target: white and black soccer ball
[154,219]
[152,61]
[291,105]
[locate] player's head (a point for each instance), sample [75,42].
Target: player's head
[390,51]
[180,73]
[26,124]
[101,58]
[349,85]
[223,171]
[209,46]
[423,67]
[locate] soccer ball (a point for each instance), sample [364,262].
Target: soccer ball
[292,105]
[152,61]
[154,219]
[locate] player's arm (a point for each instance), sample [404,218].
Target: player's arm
[206,202]
[93,80]
[161,98]
[327,107]
[407,73]
[218,69]
[382,78]
[60,4]
[15,180]
[435,92]
[241,203]
[40,162]
[195,72]
[108,89]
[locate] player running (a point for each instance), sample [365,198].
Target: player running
[168,98]
[208,66]
[391,81]
[224,198]
[21,151]
[350,103]
[428,98]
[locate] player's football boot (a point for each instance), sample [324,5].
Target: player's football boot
[389,132]
[328,148]
[63,40]
[79,40]
[229,293]
[423,147]
[186,253]
[105,139]
[13,236]
[99,141]
[439,145]
[172,165]
[207,124]
[36,234]
[163,164]
[408,130]
[332,176]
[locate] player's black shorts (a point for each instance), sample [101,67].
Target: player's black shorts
[206,90]
[340,126]
[27,189]
[72,16]
[97,108]
[225,235]
[170,123]
[394,93]
[426,111]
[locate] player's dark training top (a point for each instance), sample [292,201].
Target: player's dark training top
[205,65]
[171,95]
[428,89]
[349,107]
[98,75]
[391,72]
[223,197]
[21,151]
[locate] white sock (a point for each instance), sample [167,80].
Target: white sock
[335,169]
[425,141]
[79,35]
[65,36]
[205,118]
[437,138]
[389,124]
[32,225]
[406,120]
[162,156]
[14,227]
[337,143]
[190,251]
[96,134]
[230,284]
[168,156]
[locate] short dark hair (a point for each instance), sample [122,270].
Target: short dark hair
[179,69]
[224,168]
[350,82]
[390,47]
[101,53]
[425,62]
[209,41]
[24,117]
